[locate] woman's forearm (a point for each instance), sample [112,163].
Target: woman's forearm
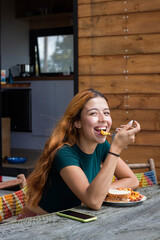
[99,187]
[128,182]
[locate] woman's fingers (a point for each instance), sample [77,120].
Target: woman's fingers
[131,125]
[135,128]
[126,134]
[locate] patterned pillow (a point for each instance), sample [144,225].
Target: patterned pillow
[12,204]
[145,179]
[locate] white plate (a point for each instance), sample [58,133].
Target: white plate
[125,204]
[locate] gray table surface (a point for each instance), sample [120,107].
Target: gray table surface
[139,222]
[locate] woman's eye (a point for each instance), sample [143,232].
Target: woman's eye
[106,113]
[93,113]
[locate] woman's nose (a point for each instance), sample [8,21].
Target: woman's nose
[102,117]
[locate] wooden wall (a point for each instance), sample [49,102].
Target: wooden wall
[119,55]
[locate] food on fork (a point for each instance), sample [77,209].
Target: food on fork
[123,195]
[104,133]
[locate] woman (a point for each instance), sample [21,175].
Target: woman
[68,173]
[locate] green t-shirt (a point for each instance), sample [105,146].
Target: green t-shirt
[57,195]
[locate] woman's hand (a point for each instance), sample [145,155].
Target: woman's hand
[125,136]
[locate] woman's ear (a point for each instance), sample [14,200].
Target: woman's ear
[77,124]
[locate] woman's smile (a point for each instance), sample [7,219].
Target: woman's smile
[98,129]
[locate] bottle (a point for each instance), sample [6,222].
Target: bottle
[10,76]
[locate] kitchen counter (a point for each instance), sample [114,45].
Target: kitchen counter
[43,78]
[24,82]
[16,85]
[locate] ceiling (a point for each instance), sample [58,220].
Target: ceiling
[41,7]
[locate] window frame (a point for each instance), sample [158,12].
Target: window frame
[34,34]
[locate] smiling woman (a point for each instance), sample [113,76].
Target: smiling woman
[69,171]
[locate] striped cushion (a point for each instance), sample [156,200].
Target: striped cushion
[12,204]
[145,179]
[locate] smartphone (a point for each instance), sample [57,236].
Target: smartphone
[82,217]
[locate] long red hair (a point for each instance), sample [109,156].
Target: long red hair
[64,133]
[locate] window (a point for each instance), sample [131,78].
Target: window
[51,51]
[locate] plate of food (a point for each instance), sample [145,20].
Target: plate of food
[124,197]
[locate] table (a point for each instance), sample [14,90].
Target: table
[139,222]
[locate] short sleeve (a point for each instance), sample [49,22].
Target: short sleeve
[65,157]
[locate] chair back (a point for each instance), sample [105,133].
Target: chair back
[145,178]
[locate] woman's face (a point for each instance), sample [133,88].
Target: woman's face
[94,117]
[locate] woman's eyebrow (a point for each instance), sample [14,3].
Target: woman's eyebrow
[91,109]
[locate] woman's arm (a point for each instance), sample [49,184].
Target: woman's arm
[125,176]
[93,194]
